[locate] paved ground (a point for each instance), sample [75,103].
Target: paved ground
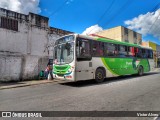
[9,85]
[129,93]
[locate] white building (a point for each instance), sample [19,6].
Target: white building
[23,42]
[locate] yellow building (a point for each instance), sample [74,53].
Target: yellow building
[121,33]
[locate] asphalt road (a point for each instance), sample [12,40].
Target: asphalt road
[129,93]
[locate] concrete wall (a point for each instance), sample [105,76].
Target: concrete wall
[24,52]
[130,36]
[51,40]
[145,44]
[15,41]
[32,65]
[113,33]
[10,68]
[21,51]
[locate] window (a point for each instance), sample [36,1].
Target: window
[144,53]
[130,53]
[139,54]
[83,49]
[123,51]
[9,24]
[125,31]
[105,49]
[126,35]
[135,35]
[97,48]
[38,21]
[150,54]
[111,49]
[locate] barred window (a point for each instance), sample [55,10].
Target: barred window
[9,24]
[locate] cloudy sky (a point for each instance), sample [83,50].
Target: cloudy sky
[89,16]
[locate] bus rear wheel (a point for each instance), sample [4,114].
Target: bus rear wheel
[140,71]
[99,75]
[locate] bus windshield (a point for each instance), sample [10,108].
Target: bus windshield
[64,50]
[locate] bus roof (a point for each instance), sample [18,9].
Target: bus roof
[103,39]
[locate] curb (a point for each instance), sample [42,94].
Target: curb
[27,84]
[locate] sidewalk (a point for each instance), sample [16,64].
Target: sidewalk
[10,85]
[157,70]
[24,83]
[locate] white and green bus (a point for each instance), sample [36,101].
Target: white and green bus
[79,57]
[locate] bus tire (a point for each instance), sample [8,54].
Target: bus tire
[99,75]
[140,71]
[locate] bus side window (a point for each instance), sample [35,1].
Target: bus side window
[101,49]
[97,48]
[83,48]
[131,52]
[135,51]
[123,51]
[111,49]
[143,53]
[105,49]
[139,54]
[150,54]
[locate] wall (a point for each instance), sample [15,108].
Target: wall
[152,45]
[113,33]
[10,67]
[145,44]
[53,35]
[24,52]
[118,33]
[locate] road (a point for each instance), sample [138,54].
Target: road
[128,93]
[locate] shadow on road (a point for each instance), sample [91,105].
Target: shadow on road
[11,83]
[106,81]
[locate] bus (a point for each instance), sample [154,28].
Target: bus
[81,57]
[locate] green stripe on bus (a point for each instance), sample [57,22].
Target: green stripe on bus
[105,63]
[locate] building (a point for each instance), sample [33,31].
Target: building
[156,51]
[24,44]
[121,33]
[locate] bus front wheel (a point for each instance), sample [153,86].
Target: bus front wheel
[140,71]
[99,75]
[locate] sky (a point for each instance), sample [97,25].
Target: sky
[90,16]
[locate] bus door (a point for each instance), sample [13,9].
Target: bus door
[84,64]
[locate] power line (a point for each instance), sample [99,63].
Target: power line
[153,23]
[120,11]
[59,8]
[104,14]
[156,7]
